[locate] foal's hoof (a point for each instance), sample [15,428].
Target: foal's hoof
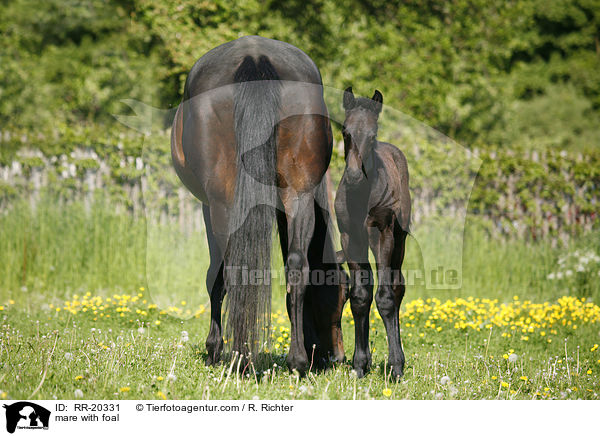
[397,370]
[361,367]
[361,370]
[397,373]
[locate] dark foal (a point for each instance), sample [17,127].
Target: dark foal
[373,210]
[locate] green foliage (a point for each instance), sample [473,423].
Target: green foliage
[71,62]
[518,72]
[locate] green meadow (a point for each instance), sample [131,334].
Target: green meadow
[100,305]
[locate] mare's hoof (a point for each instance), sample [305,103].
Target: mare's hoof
[298,364]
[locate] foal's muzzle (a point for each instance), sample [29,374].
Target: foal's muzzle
[354,177]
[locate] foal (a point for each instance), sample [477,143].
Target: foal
[372,206]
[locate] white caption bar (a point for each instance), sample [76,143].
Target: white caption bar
[150,417]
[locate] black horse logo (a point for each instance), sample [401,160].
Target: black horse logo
[28,415]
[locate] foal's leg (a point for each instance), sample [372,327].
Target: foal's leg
[399,288]
[389,253]
[300,226]
[356,250]
[216,291]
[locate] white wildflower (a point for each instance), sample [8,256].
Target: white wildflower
[584,259]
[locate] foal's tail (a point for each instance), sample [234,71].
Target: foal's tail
[248,254]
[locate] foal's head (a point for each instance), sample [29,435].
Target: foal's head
[360,133]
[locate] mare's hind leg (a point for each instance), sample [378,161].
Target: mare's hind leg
[387,242]
[216,291]
[300,226]
[322,335]
[303,154]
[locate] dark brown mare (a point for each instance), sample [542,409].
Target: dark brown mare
[253,145]
[372,206]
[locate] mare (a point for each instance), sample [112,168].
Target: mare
[252,141]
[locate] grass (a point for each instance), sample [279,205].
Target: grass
[56,261]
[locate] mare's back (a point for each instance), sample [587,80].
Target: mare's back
[217,67]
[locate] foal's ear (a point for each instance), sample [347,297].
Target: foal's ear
[349,100]
[378,99]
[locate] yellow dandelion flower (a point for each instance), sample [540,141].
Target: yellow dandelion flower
[387,392]
[160,395]
[125,389]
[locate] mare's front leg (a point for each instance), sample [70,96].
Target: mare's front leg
[356,250]
[388,247]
